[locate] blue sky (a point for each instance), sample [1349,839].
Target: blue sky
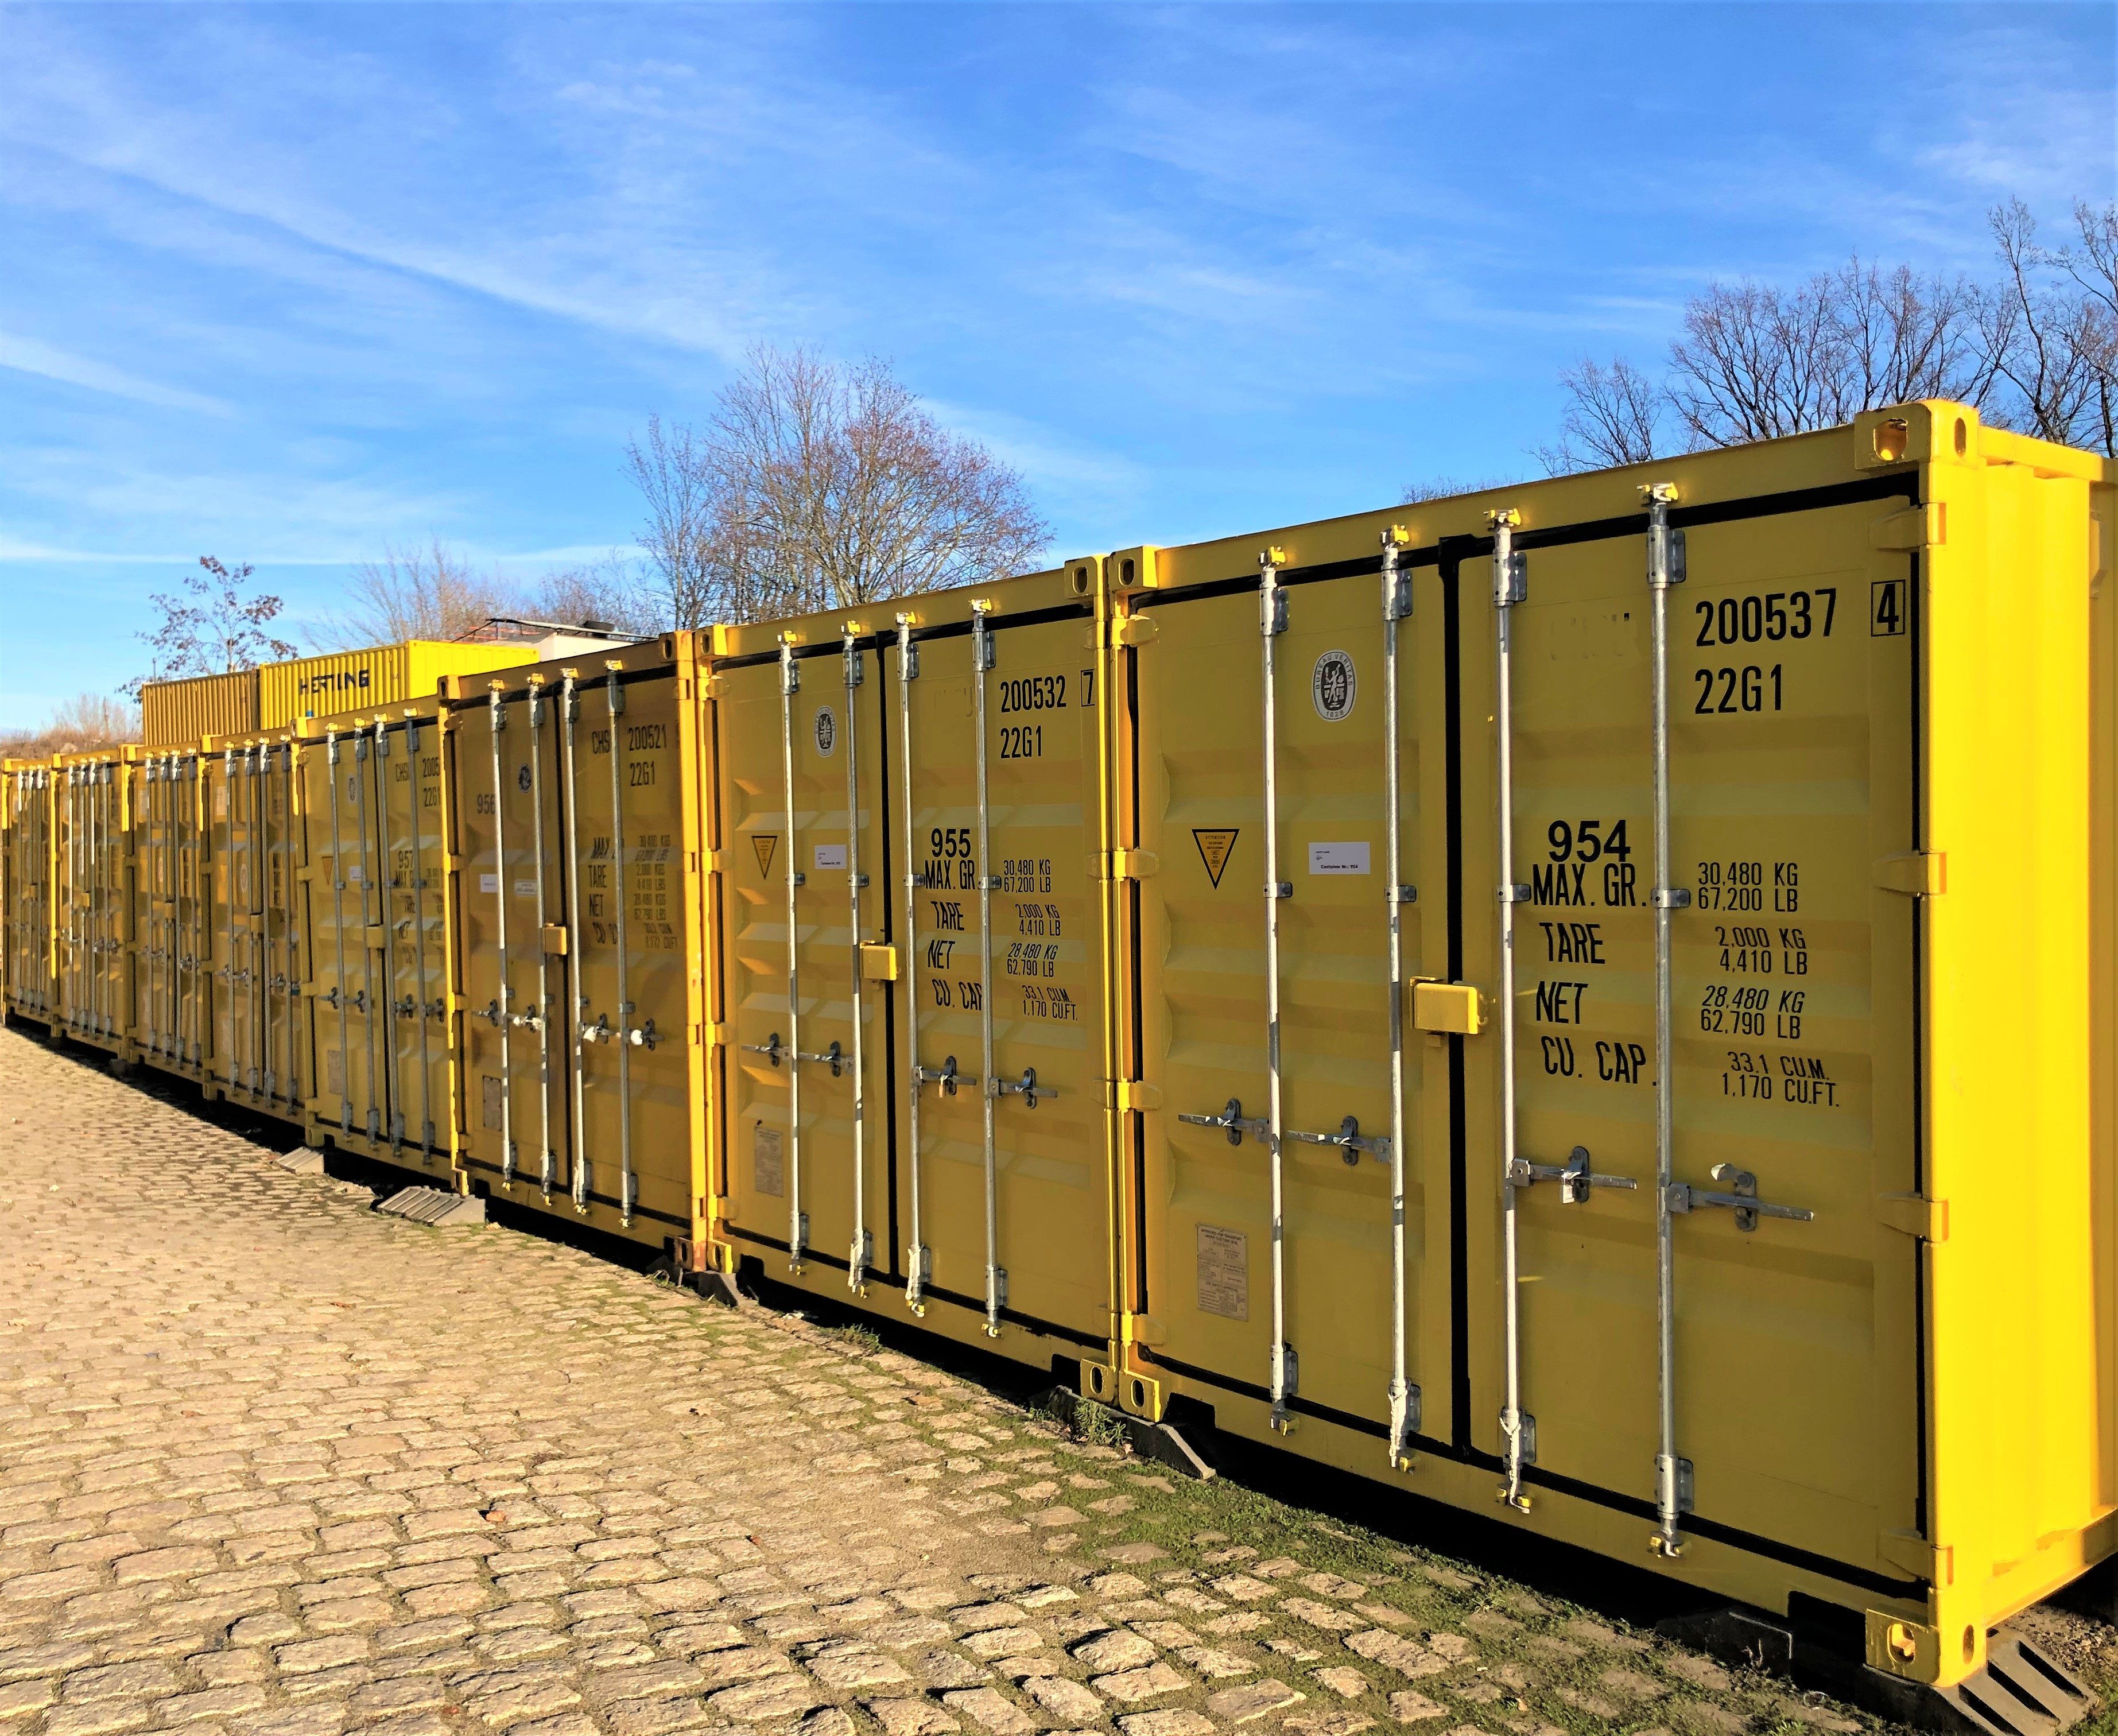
[288,284]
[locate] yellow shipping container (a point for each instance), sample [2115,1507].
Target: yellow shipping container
[255,1056]
[1562,1033]
[579,789]
[339,682]
[180,714]
[375,922]
[26,900]
[914,894]
[91,856]
[172,918]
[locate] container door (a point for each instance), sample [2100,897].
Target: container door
[157,1023]
[346,1008]
[504,773]
[72,950]
[278,845]
[1004,1192]
[1263,791]
[227,787]
[627,776]
[806,877]
[1790,1372]
[407,760]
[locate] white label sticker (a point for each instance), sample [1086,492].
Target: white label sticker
[525,889]
[830,855]
[768,1170]
[489,882]
[1338,858]
[1224,1272]
[355,874]
[1331,687]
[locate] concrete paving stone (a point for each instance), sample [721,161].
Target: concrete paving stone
[1068,1702]
[772,1697]
[1214,1663]
[263,1630]
[19,1662]
[655,1717]
[1113,1649]
[398,1694]
[1408,1706]
[305,1656]
[1347,1723]
[118,1682]
[348,1612]
[20,1699]
[826,1720]
[211,1702]
[1349,1683]
[1406,1657]
[1132,1686]
[222,1669]
[990,1710]
[97,1720]
[566,1724]
[858,1670]
[1173,1722]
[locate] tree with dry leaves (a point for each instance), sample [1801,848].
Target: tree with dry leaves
[815,485]
[212,623]
[2033,350]
[81,724]
[430,593]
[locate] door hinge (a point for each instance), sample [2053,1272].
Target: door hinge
[1919,873]
[1452,1008]
[1128,1095]
[1907,1549]
[1914,1215]
[1124,865]
[1922,527]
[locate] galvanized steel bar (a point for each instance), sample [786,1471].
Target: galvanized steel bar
[570,709]
[863,1251]
[614,697]
[1509,590]
[1397,603]
[386,1009]
[982,661]
[540,1019]
[503,999]
[420,939]
[370,1002]
[1664,569]
[339,993]
[907,671]
[227,972]
[267,1075]
[290,931]
[1272,623]
[790,684]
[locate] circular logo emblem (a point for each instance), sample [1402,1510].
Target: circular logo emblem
[827,731]
[522,779]
[1332,686]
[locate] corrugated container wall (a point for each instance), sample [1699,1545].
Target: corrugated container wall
[378,675]
[177,714]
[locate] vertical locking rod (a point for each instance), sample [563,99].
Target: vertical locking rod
[908,670]
[790,684]
[339,988]
[570,708]
[858,1258]
[229,974]
[371,1004]
[1665,568]
[504,999]
[548,1162]
[383,1009]
[269,1080]
[614,697]
[1510,588]
[419,934]
[1396,600]
[982,661]
[290,930]
[1272,623]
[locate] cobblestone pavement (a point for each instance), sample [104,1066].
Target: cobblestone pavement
[271,1464]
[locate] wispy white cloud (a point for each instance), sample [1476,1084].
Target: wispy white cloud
[48,361]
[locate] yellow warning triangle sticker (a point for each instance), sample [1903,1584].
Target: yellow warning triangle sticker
[1216,845]
[764,843]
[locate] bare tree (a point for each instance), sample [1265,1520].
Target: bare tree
[1613,416]
[675,472]
[606,592]
[77,725]
[1447,487]
[818,485]
[2050,326]
[430,593]
[210,625]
